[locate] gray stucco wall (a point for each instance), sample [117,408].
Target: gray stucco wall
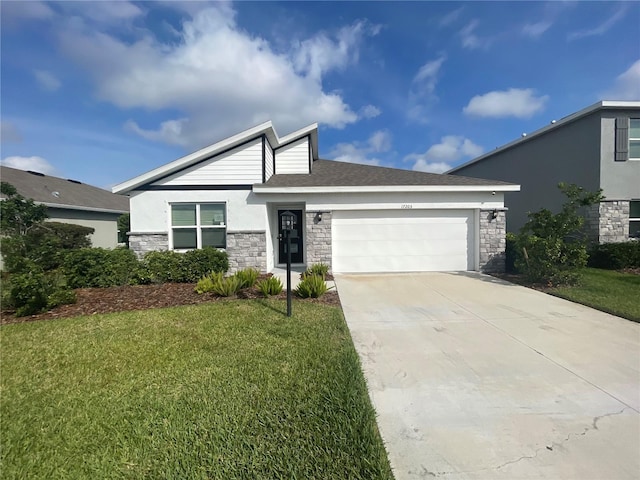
[105,224]
[619,180]
[570,153]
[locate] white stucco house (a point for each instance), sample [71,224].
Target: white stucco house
[356,218]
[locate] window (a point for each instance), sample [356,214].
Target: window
[197,225]
[634,138]
[634,219]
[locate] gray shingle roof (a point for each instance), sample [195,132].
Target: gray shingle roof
[341,174]
[56,191]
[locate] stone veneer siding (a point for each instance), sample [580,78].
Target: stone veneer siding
[318,241]
[493,241]
[613,225]
[247,249]
[142,243]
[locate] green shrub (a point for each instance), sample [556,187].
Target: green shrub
[510,253]
[196,263]
[99,267]
[614,256]
[170,266]
[46,244]
[551,247]
[122,267]
[61,297]
[226,286]
[87,267]
[320,269]
[247,277]
[164,266]
[551,260]
[270,286]
[28,293]
[32,292]
[311,286]
[206,283]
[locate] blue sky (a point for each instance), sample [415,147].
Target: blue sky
[104,91]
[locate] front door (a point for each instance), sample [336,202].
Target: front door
[296,239]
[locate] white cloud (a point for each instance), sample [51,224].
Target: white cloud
[118,13]
[515,102]
[535,30]
[601,29]
[320,54]
[470,39]
[14,12]
[424,82]
[170,131]
[369,111]
[9,133]
[451,17]
[626,85]
[220,78]
[36,164]
[423,88]
[430,167]
[363,152]
[47,80]
[440,156]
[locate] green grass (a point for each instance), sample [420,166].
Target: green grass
[217,391]
[607,290]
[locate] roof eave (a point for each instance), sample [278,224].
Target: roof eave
[262,189]
[81,207]
[605,104]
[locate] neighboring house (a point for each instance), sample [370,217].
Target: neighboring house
[70,201]
[597,147]
[355,218]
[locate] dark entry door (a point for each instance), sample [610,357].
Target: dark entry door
[296,239]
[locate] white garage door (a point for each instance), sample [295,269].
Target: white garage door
[402,240]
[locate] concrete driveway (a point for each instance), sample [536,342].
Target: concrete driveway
[473,377]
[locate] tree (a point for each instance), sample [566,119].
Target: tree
[552,247]
[124,225]
[18,214]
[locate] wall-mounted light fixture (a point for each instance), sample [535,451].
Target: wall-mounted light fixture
[494,214]
[318,217]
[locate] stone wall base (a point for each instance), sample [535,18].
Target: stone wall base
[493,241]
[142,243]
[318,241]
[247,249]
[613,225]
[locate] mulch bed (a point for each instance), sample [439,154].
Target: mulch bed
[92,301]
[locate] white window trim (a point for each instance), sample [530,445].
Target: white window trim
[632,219]
[633,138]
[197,226]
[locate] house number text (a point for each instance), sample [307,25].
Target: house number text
[406,205]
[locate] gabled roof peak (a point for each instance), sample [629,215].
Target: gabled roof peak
[267,129]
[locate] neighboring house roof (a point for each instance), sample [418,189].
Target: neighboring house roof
[266,129]
[63,193]
[330,175]
[603,105]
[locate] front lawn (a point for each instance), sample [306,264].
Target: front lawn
[218,391]
[607,290]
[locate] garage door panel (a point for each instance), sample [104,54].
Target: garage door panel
[402,240]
